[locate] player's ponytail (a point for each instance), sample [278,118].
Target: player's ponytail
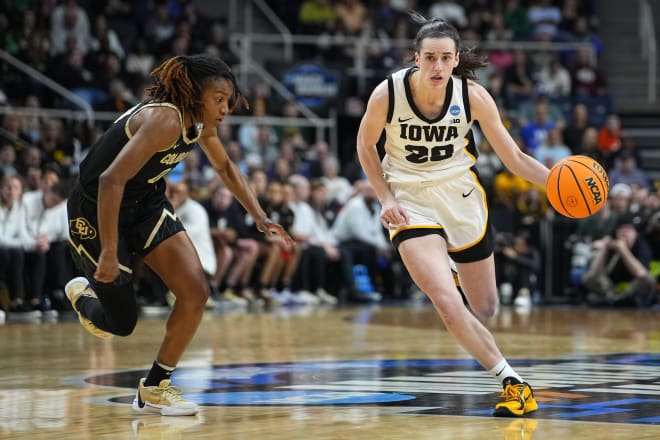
[469,59]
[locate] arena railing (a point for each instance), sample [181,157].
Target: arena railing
[87,110]
[243,44]
[648,45]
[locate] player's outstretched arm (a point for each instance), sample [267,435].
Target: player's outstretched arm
[485,111]
[238,185]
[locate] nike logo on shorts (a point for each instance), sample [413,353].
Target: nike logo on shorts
[468,193]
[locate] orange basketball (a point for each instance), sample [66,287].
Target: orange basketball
[577,186]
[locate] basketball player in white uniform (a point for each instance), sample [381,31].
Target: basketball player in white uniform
[432,201]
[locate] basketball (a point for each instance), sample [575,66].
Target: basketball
[577,186]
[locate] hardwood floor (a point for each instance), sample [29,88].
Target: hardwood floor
[372,372]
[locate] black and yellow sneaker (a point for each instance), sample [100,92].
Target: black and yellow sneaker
[517,399]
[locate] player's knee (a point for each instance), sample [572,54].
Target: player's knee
[125,325]
[486,310]
[194,298]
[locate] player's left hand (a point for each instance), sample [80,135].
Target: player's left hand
[269,227]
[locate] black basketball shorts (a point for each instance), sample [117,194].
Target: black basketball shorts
[143,225]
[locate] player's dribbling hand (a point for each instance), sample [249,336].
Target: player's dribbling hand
[269,228]
[108,268]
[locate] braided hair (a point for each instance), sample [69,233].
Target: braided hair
[181,79]
[469,60]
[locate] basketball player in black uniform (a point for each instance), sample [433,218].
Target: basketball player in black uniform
[119,209]
[432,200]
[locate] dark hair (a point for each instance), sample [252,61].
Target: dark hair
[469,60]
[180,80]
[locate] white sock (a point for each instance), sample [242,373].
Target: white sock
[503,370]
[165,367]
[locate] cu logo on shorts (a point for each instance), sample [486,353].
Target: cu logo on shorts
[82,228]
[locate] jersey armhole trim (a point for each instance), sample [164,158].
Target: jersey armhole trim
[390,98]
[158,104]
[466,101]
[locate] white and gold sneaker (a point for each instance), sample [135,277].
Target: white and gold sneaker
[75,289]
[163,399]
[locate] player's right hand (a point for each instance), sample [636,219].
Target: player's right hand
[108,268]
[393,216]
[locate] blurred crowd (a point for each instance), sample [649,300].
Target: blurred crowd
[555,103]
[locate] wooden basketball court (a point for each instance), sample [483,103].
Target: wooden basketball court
[372,372]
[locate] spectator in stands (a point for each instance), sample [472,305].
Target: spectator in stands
[501,59]
[489,165]
[316,17]
[319,246]
[545,19]
[351,16]
[582,34]
[119,98]
[569,15]
[314,158]
[553,149]
[72,74]
[449,10]
[535,132]
[627,172]
[302,230]
[587,80]
[518,265]
[509,187]
[30,158]
[653,232]
[516,18]
[13,131]
[281,263]
[7,161]
[619,270]
[139,61]
[589,145]
[158,26]
[609,139]
[235,153]
[361,239]
[620,196]
[13,235]
[297,136]
[219,40]
[518,83]
[554,80]
[69,20]
[36,54]
[597,226]
[54,147]
[228,230]
[573,131]
[336,187]
[34,121]
[196,221]
[103,38]
[47,249]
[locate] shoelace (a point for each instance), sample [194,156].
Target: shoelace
[512,392]
[172,392]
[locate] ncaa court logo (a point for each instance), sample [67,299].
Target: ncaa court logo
[619,388]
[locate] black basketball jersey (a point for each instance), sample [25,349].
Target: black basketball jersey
[149,177]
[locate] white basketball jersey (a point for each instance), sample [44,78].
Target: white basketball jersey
[418,149]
